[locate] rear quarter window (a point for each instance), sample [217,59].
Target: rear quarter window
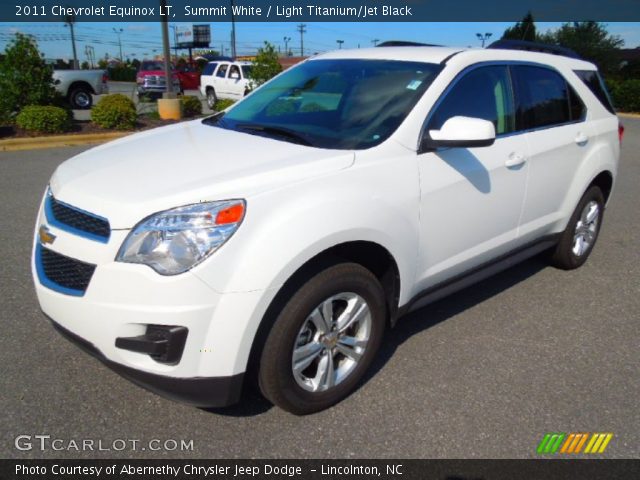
[209,69]
[593,80]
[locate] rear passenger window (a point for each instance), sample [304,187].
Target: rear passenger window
[222,71]
[484,93]
[209,68]
[545,98]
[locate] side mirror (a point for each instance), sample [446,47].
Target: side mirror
[234,76]
[461,132]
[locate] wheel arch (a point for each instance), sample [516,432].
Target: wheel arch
[80,84]
[371,255]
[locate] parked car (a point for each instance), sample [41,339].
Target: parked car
[151,79]
[79,86]
[224,79]
[279,239]
[189,76]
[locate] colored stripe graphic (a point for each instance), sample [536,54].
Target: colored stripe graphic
[572,443]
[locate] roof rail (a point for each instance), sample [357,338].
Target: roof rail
[534,47]
[403,43]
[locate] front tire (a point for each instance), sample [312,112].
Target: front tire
[323,340]
[579,238]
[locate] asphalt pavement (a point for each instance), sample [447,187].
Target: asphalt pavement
[485,373]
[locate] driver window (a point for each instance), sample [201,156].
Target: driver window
[484,93]
[234,71]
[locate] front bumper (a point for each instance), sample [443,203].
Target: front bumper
[196,391]
[122,301]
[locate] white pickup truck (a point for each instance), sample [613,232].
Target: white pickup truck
[78,86]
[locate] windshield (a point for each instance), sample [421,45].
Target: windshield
[246,71]
[342,104]
[146,66]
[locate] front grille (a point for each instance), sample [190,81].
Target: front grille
[76,221]
[61,273]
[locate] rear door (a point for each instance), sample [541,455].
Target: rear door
[559,138]
[220,80]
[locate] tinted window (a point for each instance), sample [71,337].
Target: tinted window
[209,69]
[482,93]
[222,71]
[593,80]
[543,97]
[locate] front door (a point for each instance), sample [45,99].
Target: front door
[471,198]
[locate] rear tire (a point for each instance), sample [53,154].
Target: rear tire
[212,98]
[581,234]
[323,340]
[81,98]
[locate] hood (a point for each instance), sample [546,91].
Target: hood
[131,178]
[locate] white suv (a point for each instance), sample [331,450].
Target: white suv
[231,80]
[275,242]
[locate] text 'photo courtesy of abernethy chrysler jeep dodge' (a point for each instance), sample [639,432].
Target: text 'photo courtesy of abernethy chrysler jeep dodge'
[276,242]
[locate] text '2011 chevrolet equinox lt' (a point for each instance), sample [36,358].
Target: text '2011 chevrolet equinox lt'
[276,241]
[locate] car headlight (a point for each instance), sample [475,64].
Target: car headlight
[174,241]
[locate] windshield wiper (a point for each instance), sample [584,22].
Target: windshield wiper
[215,119]
[293,136]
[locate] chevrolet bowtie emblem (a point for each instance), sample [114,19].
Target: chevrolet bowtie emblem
[45,235]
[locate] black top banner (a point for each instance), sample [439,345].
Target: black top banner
[199,11]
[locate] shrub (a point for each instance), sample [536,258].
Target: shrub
[191,106]
[25,78]
[122,73]
[223,104]
[625,94]
[44,119]
[115,111]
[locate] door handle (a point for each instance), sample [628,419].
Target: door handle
[515,160]
[581,138]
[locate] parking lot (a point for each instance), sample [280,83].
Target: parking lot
[485,373]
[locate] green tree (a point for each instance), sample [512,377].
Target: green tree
[591,41]
[25,78]
[523,30]
[266,65]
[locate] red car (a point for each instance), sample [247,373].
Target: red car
[189,76]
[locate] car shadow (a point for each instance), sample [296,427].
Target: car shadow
[253,403]
[450,306]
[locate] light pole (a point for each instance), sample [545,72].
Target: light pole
[119,32]
[286,46]
[166,49]
[233,32]
[375,41]
[483,38]
[302,29]
[339,42]
[70,20]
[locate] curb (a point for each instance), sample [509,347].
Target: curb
[629,115]
[36,143]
